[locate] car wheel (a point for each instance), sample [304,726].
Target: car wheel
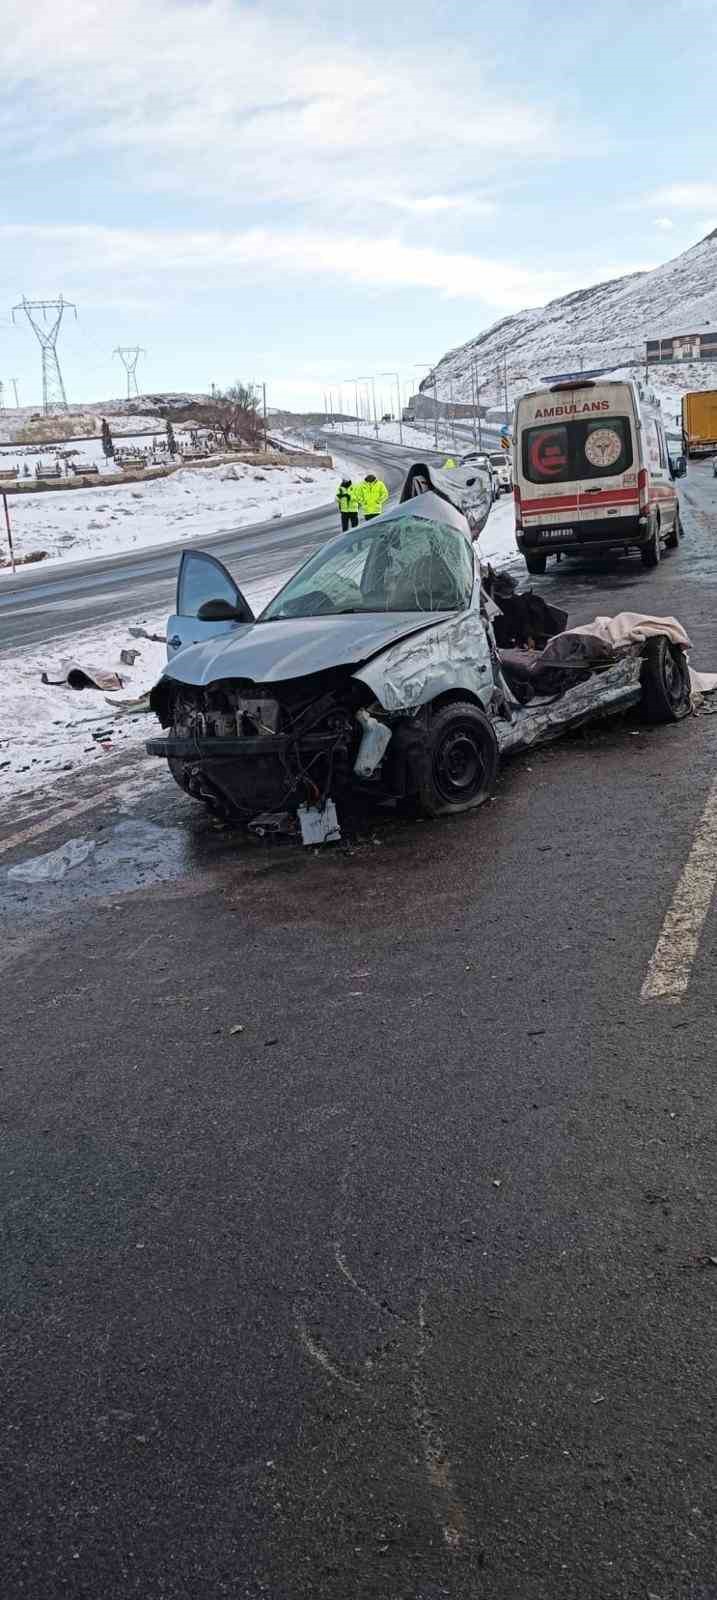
[665,681]
[536,565]
[674,537]
[650,553]
[461,762]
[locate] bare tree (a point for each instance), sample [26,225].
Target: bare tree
[234,414]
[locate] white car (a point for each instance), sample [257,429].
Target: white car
[501,463]
[481,459]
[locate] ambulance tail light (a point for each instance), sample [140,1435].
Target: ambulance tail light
[518,508]
[642,490]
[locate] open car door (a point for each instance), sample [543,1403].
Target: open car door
[208,602]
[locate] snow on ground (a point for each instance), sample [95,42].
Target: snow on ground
[85,451]
[48,730]
[497,541]
[193,502]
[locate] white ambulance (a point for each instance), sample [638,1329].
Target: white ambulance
[591,471]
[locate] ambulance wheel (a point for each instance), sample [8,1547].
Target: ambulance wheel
[650,553]
[536,565]
[665,681]
[673,539]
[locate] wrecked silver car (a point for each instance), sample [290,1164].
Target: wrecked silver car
[390,666]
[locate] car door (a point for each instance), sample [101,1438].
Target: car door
[201,579]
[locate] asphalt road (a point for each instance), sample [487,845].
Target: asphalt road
[407,1289]
[38,606]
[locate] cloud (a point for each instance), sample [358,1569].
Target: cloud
[225,100]
[133,263]
[684,197]
[665,224]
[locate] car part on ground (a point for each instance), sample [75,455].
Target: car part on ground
[386,669]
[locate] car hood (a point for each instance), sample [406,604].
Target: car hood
[273,652]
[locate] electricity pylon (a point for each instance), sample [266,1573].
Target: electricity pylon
[53,388]
[129,356]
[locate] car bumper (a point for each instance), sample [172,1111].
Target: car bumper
[604,533]
[257,774]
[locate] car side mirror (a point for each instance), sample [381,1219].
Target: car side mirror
[219,611]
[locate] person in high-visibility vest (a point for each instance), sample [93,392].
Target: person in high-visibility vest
[348,504]
[373,495]
[448,463]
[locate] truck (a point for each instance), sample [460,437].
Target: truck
[699,423]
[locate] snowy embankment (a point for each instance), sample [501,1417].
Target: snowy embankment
[193,503]
[48,730]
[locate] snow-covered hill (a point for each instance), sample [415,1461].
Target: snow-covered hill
[606,325]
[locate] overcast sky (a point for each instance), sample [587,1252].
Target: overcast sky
[301,194]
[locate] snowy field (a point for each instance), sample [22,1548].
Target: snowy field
[47,731]
[191,503]
[86,451]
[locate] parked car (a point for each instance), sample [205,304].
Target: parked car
[592,472]
[501,463]
[375,670]
[483,460]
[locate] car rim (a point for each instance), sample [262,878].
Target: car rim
[458,766]
[673,677]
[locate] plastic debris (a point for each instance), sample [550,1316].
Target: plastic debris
[375,740]
[128,657]
[272,822]
[237,1028]
[78,677]
[55,865]
[319,825]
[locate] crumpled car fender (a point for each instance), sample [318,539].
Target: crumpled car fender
[452,655]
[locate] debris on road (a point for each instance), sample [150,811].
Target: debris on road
[141,633]
[319,824]
[79,677]
[53,866]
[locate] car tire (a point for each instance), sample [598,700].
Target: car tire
[536,565]
[665,681]
[650,553]
[461,762]
[673,538]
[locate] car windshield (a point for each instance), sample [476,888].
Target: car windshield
[406,563]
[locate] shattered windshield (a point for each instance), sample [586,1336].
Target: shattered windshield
[407,563]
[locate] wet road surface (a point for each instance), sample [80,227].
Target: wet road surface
[359,1219]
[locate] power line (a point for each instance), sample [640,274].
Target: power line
[53,388]
[129,356]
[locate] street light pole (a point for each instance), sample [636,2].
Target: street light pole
[372,382]
[395,376]
[356,382]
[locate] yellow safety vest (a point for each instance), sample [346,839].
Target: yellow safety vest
[373,497]
[346,498]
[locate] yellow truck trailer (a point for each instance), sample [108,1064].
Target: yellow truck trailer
[699,422]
